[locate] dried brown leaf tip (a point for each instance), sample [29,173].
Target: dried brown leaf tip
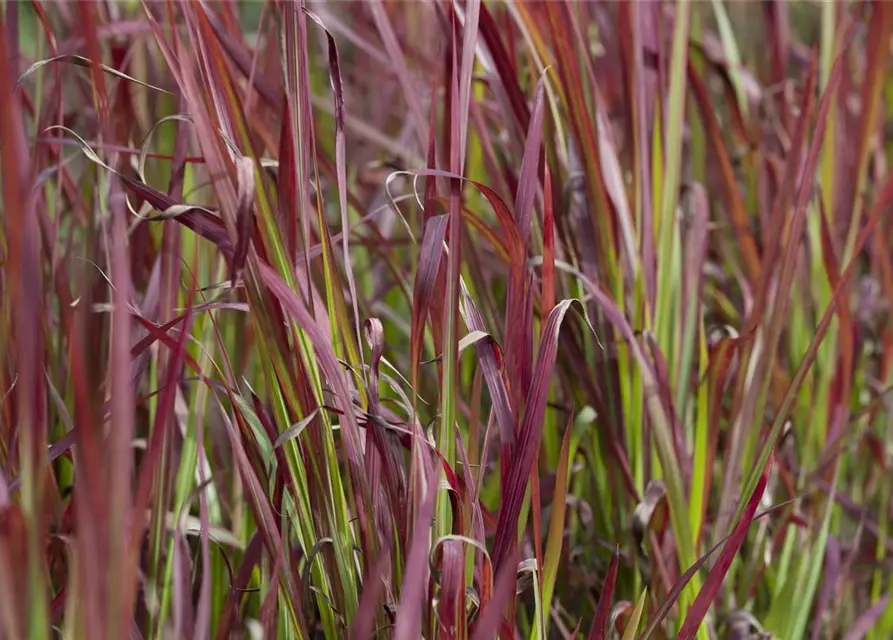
[244,213]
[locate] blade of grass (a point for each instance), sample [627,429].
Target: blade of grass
[603,611]
[21,235]
[635,618]
[883,200]
[867,619]
[530,434]
[701,605]
[557,521]
[409,620]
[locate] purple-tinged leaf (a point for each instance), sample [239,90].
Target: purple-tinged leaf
[269,607]
[777,27]
[430,205]
[120,579]
[867,619]
[398,60]
[415,578]
[877,56]
[181,587]
[383,453]
[373,588]
[14,569]
[197,219]
[830,576]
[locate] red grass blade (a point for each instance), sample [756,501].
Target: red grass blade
[603,611]
[250,560]
[491,619]
[415,582]
[474,321]
[547,300]
[674,593]
[718,572]
[373,588]
[14,570]
[630,20]
[732,194]
[528,444]
[430,255]
[527,176]
[329,364]
[490,359]
[505,69]
[517,339]
[22,296]
[469,43]
[451,608]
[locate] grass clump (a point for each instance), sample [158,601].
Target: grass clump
[445,320]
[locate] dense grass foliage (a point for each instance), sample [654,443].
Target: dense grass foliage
[447,319]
